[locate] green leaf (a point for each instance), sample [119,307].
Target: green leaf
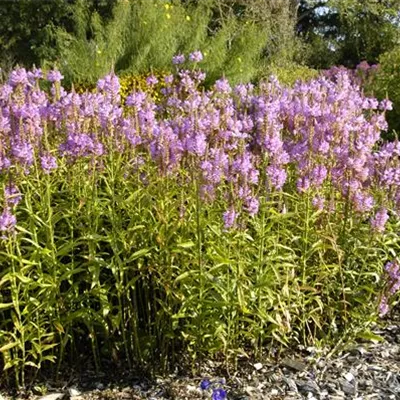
[186,245]
[183,276]
[5,306]
[368,335]
[139,254]
[8,346]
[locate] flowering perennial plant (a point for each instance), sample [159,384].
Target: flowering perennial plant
[211,219]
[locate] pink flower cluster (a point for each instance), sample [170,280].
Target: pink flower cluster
[319,138]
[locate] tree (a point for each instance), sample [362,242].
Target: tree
[27,29]
[348,31]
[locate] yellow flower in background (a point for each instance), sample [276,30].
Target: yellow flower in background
[167,6]
[188,18]
[239,59]
[168,16]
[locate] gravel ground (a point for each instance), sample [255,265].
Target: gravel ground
[365,371]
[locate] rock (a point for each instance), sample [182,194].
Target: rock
[291,384]
[294,364]
[349,376]
[258,366]
[193,389]
[274,392]
[73,392]
[53,396]
[308,386]
[347,387]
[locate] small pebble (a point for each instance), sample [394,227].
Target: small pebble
[349,376]
[258,366]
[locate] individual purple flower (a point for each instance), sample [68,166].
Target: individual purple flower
[303,184]
[252,205]
[378,222]
[12,195]
[219,394]
[110,85]
[277,176]
[151,80]
[229,217]
[23,152]
[48,163]
[318,175]
[7,221]
[178,59]
[168,79]
[196,56]
[199,76]
[35,74]
[362,202]
[136,99]
[386,105]
[54,76]
[222,86]
[5,163]
[205,384]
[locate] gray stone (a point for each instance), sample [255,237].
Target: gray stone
[308,386]
[73,392]
[291,384]
[294,364]
[53,396]
[347,387]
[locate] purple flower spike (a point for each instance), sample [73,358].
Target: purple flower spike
[151,80]
[7,221]
[178,59]
[54,76]
[18,77]
[48,163]
[218,394]
[223,86]
[205,384]
[12,195]
[229,218]
[378,222]
[196,56]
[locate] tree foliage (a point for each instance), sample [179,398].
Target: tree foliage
[348,31]
[27,29]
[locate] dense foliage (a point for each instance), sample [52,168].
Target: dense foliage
[348,31]
[28,27]
[210,222]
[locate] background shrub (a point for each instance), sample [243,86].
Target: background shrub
[145,35]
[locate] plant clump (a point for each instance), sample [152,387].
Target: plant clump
[225,221]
